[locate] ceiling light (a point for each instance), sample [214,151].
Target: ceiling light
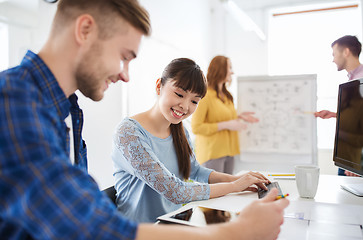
[242,18]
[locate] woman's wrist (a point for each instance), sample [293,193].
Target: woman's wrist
[222,126]
[234,187]
[225,125]
[218,177]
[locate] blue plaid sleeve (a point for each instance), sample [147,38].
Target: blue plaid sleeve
[42,195]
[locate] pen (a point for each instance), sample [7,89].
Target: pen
[282,196]
[283,174]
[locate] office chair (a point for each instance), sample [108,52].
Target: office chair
[111,193]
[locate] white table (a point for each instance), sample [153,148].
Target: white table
[333,214]
[329,190]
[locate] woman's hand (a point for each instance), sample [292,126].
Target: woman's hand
[223,184]
[233,125]
[246,181]
[247,117]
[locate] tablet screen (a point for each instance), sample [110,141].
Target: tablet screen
[200,216]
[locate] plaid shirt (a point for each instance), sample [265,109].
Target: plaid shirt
[80,151]
[42,195]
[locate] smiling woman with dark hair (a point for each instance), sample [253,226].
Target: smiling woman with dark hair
[152,152]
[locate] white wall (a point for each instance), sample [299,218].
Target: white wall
[28,28]
[189,28]
[179,29]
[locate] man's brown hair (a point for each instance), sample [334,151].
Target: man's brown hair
[350,42]
[105,13]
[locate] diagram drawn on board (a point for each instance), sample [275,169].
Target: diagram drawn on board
[285,107]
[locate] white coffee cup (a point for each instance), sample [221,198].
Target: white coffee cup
[307,180]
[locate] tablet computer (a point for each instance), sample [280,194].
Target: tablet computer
[198,216]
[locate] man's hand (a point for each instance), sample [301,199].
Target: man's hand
[325,114]
[350,174]
[261,219]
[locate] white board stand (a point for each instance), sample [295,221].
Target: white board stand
[286,134]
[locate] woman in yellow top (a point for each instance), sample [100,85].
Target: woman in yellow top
[215,122]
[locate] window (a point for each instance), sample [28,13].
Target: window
[4,47]
[300,43]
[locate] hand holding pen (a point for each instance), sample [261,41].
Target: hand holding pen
[282,196]
[268,226]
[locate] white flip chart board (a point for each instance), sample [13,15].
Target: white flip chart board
[287,127]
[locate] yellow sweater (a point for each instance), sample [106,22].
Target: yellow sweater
[211,143]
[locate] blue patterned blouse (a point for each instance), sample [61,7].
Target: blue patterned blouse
[147,176]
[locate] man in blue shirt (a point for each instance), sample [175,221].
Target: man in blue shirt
[42,194]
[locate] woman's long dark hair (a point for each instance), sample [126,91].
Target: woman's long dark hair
[217,72]
[187,75]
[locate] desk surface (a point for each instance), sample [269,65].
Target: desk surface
[333,214]
[329,190]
